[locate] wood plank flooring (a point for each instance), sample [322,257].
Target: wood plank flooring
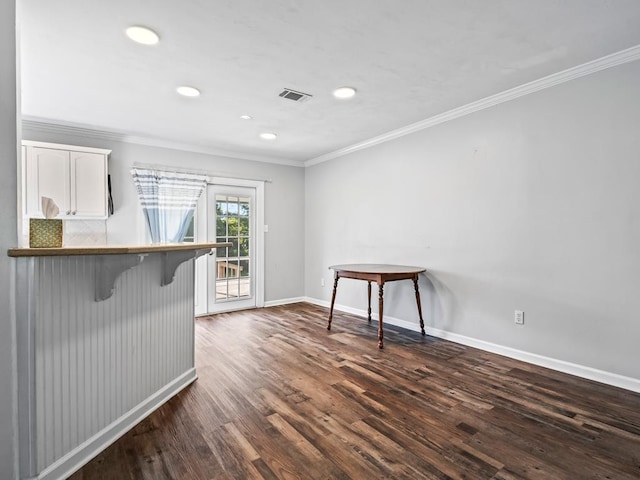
[279,397]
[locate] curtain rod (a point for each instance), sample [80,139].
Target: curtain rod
[196,171]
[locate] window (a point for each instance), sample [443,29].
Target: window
[190,236]
[232,225]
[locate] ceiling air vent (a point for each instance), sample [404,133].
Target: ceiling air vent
[294,95]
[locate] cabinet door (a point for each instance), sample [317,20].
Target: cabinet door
[47,176]
[88,185]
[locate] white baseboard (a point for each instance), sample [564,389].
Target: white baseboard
[285,301]
[589,373]
[83,453]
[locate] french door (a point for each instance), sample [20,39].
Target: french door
[232,276]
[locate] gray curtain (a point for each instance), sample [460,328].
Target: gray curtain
[168,201]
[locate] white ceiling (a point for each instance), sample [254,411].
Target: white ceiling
[408,59]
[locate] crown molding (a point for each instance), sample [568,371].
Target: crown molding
[609,61]
[618,58]
[57,127]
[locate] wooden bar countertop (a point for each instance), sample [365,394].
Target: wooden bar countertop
[111,249]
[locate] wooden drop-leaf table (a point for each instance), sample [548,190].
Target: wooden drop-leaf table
[380,274]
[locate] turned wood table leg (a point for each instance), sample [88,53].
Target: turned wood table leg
[380,310]
[415,284]
[369,297]
[333,299]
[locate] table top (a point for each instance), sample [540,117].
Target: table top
[111,249]
[377,268]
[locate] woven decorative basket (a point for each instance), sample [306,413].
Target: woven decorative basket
[45,233]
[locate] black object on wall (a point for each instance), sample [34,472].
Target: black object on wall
[110,199]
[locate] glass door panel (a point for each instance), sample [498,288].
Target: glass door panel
[232,267]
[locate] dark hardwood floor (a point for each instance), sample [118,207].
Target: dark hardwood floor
[279,397]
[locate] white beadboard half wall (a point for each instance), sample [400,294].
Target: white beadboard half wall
[89,370]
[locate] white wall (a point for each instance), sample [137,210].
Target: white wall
[284,201]
[8,235]
[533,204]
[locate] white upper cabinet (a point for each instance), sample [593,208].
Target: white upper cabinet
[74,177]
[89,180]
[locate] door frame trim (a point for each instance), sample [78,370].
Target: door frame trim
[260,228]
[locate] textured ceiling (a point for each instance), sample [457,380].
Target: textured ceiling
[409,60]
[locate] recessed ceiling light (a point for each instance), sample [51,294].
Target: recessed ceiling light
[245,117]
[188,91]
[142,35]
[268,136]
[344,92]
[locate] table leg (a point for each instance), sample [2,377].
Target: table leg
[380,310]
[369,297]
[415,284]
[333,299]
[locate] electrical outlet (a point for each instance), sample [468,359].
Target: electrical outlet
[322,282]
[519,317]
